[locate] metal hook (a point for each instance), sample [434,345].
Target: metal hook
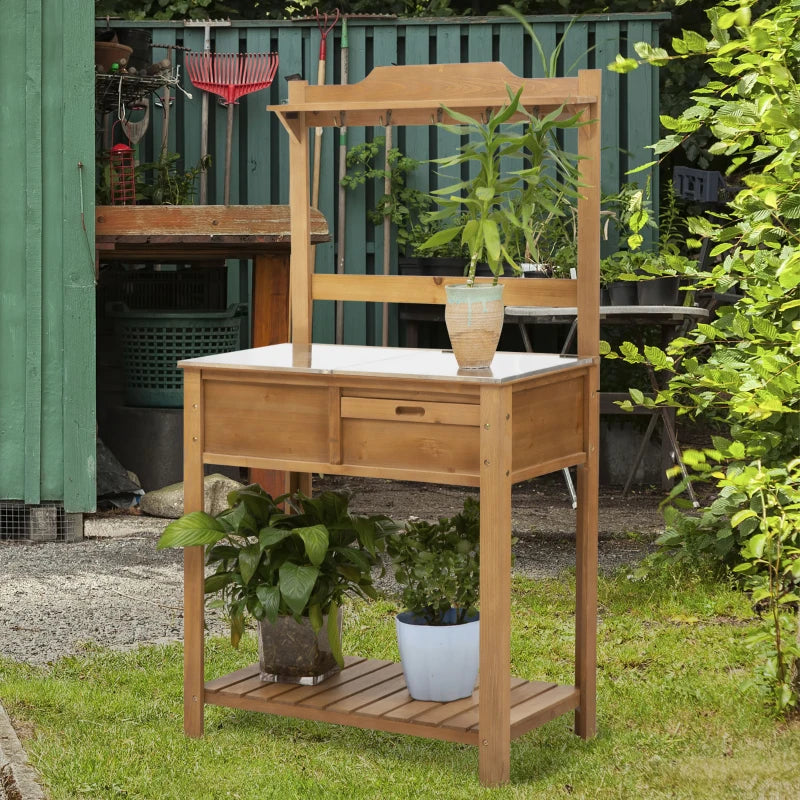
[120,104]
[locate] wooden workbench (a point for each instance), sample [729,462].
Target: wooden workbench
[412,414]
[198,234]
[209,234]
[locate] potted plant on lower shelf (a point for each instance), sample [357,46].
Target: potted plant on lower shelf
[437,568]
[289,571]
[521,181]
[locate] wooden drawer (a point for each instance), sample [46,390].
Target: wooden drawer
[428,438]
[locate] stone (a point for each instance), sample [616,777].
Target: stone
[168,502]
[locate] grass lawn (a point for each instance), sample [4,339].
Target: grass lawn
[674,718]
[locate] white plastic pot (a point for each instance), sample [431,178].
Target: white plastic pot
[440,662]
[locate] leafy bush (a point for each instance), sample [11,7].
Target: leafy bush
[742,369]
[438,564]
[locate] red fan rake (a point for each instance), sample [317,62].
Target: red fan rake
[231,76]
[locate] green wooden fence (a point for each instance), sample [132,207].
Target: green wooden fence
[260,152]
[47,428]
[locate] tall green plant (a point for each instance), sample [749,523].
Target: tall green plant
[742,369]
[500,213]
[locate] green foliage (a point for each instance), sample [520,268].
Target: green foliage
[157,183]
[502,216]
[403,204]
[741,370]
[631,212]
[675,720]
[163,183]
[269,563]
[437,565]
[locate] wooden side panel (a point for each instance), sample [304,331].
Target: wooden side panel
[281,421]
[548,422]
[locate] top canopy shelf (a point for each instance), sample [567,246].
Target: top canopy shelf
[413,95]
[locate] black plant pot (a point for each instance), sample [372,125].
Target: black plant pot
[605,296]
[623,293]
[658,292]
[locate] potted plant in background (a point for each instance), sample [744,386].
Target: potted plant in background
[289,571]
[497,210]
[437,566]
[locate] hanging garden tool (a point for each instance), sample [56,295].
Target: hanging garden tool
[207,25]
[325,27]
[136,130]
[231,76]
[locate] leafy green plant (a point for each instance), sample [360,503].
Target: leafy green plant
[163,183]
[437,565]
[269,563]
[741,369]
[499,215]
[403,205]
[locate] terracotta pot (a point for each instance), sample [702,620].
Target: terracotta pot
[108,53]
[474,317]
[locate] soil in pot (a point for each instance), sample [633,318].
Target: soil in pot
[290,651]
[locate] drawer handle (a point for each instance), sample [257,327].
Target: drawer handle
[409,411]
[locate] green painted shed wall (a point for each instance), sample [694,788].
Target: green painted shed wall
[260,151]
[47,319]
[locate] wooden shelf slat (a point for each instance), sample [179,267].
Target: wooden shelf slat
[372,694]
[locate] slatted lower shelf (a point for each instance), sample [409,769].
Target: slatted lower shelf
[373,694]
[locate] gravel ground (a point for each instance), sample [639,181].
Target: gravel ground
[115,589]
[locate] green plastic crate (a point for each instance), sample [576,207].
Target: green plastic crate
[152,342]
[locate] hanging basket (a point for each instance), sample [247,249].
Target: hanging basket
[474,318]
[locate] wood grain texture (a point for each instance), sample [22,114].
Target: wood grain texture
[198,223]
[495,585]
[193,559]
[554,292]
[372,694]
[270,325]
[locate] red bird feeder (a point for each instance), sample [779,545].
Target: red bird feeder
[122,176]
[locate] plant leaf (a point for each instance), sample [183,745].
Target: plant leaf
[248,561]
[194,528]
[315,539]
[270,597]
[296,584]
[333,633]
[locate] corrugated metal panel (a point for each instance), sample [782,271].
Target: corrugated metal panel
[260,162]
[47,429]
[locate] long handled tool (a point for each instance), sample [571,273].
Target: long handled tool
[231,76]
[340,262]
[324,29]
[207,25]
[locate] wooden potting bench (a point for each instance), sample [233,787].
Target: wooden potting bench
[412,414]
